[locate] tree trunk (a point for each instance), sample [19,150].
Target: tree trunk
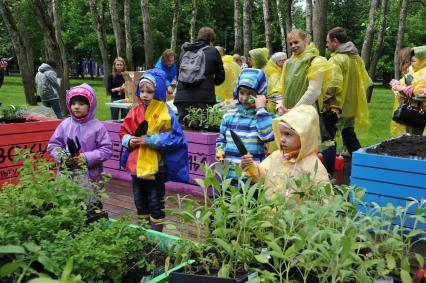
[65,81]
[288,19]
[41,10]
[26,68]
[282,27]
[399,39]
[378,52]
[26,40]
[268,25]
[129,42]
[147,37]
[237,26]
[369,34]
[319,25]
[309,31]
[116,26]
[247,20]
[176,18]
[192,31]
[99,22]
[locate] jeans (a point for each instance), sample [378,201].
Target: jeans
[116,111]
[55,104]
[149,196]
[352,144]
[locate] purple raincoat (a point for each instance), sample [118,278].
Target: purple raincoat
[96,145]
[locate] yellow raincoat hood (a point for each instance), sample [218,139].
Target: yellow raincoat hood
[419,76]
[304,120]
[225,91]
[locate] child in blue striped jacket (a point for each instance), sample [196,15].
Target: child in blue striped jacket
[250,120]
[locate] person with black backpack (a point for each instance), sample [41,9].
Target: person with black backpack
[199,69]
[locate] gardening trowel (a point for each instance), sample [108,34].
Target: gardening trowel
[239,143]
[142,129]
[74,147]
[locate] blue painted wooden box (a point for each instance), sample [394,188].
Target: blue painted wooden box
[390,179]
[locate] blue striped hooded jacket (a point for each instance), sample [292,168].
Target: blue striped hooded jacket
[253,126]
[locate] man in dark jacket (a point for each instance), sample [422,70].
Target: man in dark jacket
[201,94]
[3,66]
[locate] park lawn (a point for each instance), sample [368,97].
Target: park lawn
[380,106]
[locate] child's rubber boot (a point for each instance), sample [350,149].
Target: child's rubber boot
[156,224]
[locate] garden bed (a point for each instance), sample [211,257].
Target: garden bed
[392,179]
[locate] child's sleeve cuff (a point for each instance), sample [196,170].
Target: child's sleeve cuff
[125,140]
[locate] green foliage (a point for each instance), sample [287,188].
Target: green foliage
[320,233]
[12,112]
[209,118]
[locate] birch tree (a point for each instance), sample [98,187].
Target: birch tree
[369,34]
[192,31]
[176,18]
[22,47]
[247,21]
[128,35]
[319,25]
[380,37]
[268,24]
[237,26]
[147,37]
[309,8]
[97,9]
[116,27]
[282,26]
[400,37]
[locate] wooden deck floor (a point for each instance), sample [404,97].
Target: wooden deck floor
[120,200]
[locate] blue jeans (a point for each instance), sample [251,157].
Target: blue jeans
[116,111]
[149,196]
[55,104]
[351,142]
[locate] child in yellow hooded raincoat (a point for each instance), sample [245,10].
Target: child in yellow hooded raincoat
[297,136]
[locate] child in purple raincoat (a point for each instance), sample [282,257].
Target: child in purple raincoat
[94,143]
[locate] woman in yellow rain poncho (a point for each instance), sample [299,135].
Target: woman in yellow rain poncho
[418,84]
[225,91]
[259,57]
[407,63]
[297,136]
[303,76]
[273,71]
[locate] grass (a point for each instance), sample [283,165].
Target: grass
[12,92]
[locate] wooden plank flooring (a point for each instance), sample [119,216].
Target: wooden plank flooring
[120,200]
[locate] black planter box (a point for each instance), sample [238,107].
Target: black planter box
[181,277]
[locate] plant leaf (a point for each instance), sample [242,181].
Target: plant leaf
[261,258]
[11,249]
[8,268]
[227,247]
[405,277]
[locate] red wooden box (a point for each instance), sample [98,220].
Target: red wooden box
[201,148]
[32,135]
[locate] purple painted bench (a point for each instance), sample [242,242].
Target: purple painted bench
[201,148]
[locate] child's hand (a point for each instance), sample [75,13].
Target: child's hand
[246,161]
[281,110]
[136,141]
[260,101]
[220,155]
[79,161]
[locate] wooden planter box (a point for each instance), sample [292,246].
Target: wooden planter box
[389,179]
[31,135]
[201,148]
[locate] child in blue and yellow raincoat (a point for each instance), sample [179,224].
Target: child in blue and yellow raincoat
[158,150]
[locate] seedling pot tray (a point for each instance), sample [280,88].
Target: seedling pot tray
[199,277]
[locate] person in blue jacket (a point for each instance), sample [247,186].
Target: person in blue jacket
[167,63]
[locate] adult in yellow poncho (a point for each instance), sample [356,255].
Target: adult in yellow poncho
[259,58]
[406,67]
[347,91]
[225,91]
[297,135]
[273,70]
[304,74]
[418,84]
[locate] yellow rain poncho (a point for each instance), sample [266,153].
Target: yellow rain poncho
[273,74]
[225,91]
[419,76]
[279,173]
[397,129]
[351,80]
[301,70]
[260,57]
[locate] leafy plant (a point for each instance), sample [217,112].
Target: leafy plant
[211,117]
[12,112]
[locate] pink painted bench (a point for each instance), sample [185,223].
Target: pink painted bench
[201,149]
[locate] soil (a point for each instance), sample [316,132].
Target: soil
[404,146]
[17,120]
